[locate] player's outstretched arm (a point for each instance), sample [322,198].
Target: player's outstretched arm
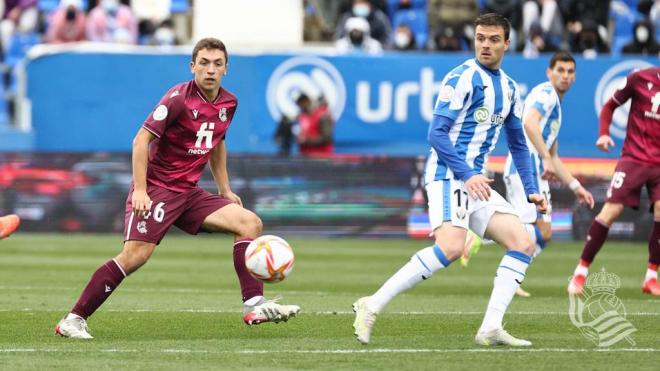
[140,158]
[531,124]
[584,197]
[604,140]
[218,165]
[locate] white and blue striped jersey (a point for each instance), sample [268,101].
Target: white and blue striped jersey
[544,99]
[479,101]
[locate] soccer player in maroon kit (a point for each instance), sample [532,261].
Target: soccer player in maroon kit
[639,166]
[185,131]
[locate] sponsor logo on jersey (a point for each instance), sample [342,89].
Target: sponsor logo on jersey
[481,115]
[195,112]
[312,76]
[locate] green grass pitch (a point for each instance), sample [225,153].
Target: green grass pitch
[182,310]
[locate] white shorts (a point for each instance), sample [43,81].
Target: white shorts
[515,194]
[449,202]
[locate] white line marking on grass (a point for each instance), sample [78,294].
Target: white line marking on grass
[334,351]
[318,313]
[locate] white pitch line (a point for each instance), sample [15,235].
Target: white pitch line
[334,351]
[319,313]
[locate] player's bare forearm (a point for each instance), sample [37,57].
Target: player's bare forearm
[140,158]
[218,165]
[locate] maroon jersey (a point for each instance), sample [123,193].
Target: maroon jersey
[642,141]
[187,127]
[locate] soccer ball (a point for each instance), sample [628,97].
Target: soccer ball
[269,259]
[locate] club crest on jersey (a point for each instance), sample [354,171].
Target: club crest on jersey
[222,115]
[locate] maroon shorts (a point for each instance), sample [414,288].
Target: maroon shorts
[628,180]
[186,210]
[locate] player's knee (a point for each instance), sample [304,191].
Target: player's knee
[610,213]
[253,226]
[135,255]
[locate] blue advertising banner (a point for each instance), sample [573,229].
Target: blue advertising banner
[382,105]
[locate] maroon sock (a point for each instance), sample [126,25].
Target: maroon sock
[595,239]
[250,286]
[103,282]
[654,244]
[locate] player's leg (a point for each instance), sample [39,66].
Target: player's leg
[101,285]
[8,224]
[650,285]
[213,213]
[596,236]
[625,190]
[449,220]
[141,235]
[504,227]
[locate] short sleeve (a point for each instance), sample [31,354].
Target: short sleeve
[626,91]
[544,102]
[516,103]
[453,94]
[166,111]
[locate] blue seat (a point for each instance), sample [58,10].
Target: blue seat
[19,44]
[48,6]
[179,6]
[416,20]
[393,5]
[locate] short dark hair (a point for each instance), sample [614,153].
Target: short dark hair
[303,98]
[561,56]
[209,43]
[494,19]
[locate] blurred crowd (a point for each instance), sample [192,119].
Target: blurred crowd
[587,27]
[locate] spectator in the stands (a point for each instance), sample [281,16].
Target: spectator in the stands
[379,23]
[150,15]
[544,12]
[588,41]
[448,39]
[315,27]
[403,39]
[579,13]
[537,42]
[18,16]
[452,13]
[67,23]
[113,22]
[357,39]
[644,41]
[512,10]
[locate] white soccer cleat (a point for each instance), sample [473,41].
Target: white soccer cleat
[268,311]
[522,293]
[74,328]
[499,336]
[364,320]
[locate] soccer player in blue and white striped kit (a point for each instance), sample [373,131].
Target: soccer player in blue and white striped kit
[476,100]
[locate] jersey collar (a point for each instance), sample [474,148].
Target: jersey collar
[489,70]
